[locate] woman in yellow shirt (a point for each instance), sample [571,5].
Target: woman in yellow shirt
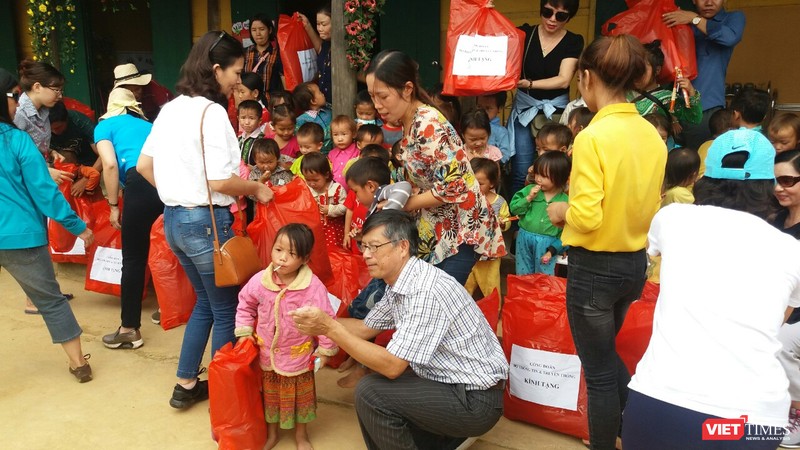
[615,190]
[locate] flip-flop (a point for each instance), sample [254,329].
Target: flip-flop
[33,311]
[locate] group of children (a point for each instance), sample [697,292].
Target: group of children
[351,165]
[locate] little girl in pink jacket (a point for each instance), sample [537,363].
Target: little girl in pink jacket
[287,356]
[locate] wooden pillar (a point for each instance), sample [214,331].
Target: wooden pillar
[343,77]
[213,15]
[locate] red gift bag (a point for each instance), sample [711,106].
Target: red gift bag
[292,203]
[236,406]
[104,268]
[64,246]
[483,52]
[350,274]
[538,343]
[490,307]
[634,337]
[643,20]
[543,360]
[297,51]
[174,292]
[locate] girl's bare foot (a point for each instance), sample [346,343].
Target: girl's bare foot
[301,437]
[272,436]
[349,362]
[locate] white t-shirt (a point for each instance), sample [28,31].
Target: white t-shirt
[727,278]
[174,145]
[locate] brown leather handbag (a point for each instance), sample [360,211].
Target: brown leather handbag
[235,261]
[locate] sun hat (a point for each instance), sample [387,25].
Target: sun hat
[760,161]
[129,74]
[120,100]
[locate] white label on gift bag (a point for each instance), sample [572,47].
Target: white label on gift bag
[308,63]
[545,378]
[480,55]
[107,265]
[78,249]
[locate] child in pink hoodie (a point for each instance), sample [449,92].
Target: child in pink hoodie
[287,356]
[343,132]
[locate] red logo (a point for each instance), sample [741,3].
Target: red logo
[724,429]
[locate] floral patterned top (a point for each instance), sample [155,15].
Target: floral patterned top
[434,160]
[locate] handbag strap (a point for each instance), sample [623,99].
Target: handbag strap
[208,188]
[648,95]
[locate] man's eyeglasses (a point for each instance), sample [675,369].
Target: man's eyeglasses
[372,247]
[57,90]
[787,181]
[560,15]
[14,95]
[214,45]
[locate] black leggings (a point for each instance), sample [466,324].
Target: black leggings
[141,208]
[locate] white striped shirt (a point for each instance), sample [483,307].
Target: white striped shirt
[440,330]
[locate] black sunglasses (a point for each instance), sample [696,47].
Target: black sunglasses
[14,95]
[219,38]
[787,181]
[560,15]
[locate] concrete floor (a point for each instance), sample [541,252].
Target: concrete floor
[126,405]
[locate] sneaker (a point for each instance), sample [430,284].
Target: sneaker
[184,398]
[131,339]
[792,437]
[156,317]
[84,372]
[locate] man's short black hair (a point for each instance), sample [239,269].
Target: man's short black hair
[399,226]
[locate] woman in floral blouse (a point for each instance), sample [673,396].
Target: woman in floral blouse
[456,225]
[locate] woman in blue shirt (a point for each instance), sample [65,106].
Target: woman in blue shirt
[27,195]
[119,137]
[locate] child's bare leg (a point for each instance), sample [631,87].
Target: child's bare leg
[346,365]
[351,379]
[301,437]
[272,436]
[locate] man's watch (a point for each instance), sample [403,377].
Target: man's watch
[696,20]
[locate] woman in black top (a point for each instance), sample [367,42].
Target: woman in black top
[549,63]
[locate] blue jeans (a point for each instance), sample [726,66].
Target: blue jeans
[600,288]
[651,423]
[188,232]
[523,159]
[460,265]
[33,271]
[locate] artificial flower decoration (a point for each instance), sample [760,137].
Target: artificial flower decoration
[359,19]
